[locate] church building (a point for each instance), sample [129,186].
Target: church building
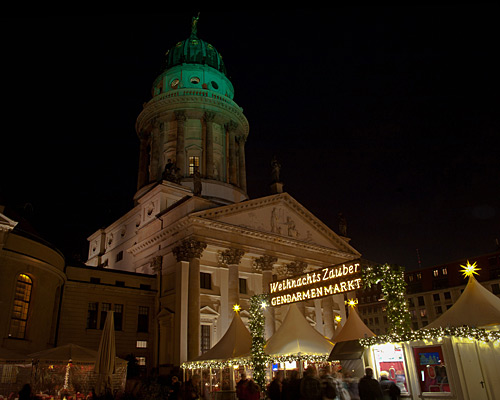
[194,244]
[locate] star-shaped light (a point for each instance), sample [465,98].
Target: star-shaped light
[469,269]
[236,307]
[352,302]
[263,304]
[338,318]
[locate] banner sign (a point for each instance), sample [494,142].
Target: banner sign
[324,282]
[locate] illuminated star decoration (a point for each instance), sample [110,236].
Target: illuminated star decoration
[338,318]
[469,269]
[352,302]
[236,307]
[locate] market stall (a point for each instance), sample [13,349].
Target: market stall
[15,371]
[297,342]
[346,349]
[68,370]
[457,355]
[219,367]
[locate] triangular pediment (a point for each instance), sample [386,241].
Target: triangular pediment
[281,216]
[6,223]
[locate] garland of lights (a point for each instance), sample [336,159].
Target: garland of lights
[311,358]
[257,326]
[393,285]
[434,333]
[216,364]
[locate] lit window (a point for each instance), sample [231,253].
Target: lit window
[423,312]
[419,276]
[20,309]
[410,278]
[194,164]
[444,271]
[141,361]
[205,338]
[435,272]
[142,344]
[431,368]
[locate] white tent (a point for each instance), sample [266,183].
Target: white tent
[477,307]
[297,337]
[236,343]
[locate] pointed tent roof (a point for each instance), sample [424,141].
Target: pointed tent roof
[346,339]
[297,336]
[62,354]
[353,329]
[236,343]
[476,307]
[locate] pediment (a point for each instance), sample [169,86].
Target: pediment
[208,311]
[6,223]
[282,216]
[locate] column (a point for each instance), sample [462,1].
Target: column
[155,164]
[265,264]
[142,178]
[231,258]
[297,268]
[191,250]
[327,304]
[180,161]
[209,117]
[242,167]
[231,128]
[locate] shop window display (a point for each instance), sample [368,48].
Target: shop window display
[390,358]
[431,369]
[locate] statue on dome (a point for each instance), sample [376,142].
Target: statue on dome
[194,25]
[342,224]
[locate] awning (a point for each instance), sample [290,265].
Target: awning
[349,350]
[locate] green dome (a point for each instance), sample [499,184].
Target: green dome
[195,51]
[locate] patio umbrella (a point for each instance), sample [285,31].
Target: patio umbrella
[105,363]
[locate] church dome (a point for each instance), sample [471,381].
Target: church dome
[193,50]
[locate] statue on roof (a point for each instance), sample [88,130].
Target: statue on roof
[194,25]
[275,171]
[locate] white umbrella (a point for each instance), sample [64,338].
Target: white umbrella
[105,363]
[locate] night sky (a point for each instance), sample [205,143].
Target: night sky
[388,115]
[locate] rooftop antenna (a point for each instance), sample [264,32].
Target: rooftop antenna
[418,259]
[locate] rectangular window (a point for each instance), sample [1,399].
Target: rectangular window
[120,283]
[410,278]
[92,315]
[423,312]
[141,361]
[95,280]
[205,338]
[421,300]
[243,286]
[105,307]
[431,369]
[410,302]
[495,288]
[419,275]
[205,280]
[119,256]
[444,271]
[194,164]
[439,310]
[118,317]
[436,297]
[143,319]
[447,295]
[144,287]
[141,344]
[435,272]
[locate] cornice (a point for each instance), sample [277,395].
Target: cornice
[169,100]
[193,222]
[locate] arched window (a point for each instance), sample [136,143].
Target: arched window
[21,306]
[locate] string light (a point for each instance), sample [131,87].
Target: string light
[257,321]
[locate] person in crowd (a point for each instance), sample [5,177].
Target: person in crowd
[291,386]
[242,386]
[369,387]
[25,392]
[390,390]
[275,388]
[329,388]
[174,389]
[310,386]
[252,391]
[190,390]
